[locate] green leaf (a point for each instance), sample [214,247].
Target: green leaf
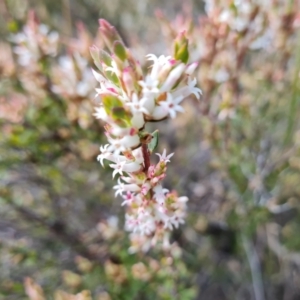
[154,142]
[120,50]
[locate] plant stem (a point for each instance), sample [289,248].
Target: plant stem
[146,155]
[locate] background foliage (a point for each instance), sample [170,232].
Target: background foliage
[236,156]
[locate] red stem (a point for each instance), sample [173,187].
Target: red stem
[146,156]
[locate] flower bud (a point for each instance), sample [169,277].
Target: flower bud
[109,33]
[181,51]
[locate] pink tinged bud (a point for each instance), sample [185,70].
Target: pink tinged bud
[132,131]
[113,90]
[145,188]
[151,171]
[191,68]
[109,33]
[172,61]
[173,77]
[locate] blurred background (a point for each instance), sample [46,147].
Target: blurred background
[237,153]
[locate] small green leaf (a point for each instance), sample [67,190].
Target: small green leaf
[154,142]
[105,57]
[119,50]
[109,102]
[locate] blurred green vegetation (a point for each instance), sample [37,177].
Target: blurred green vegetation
[236,158]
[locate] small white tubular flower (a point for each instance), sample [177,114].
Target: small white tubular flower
[159,194]
[149,86]
[185,91]
[174,75]
[136,106]
[191,68]
[121,187]
[172,105]
[118,166]
[116,146]
[158,63]
[173,221]
[164,157]
[104,153]
[148,103]
[147,225]
[130,198]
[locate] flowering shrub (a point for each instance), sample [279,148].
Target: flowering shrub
[236,150]
[129,100]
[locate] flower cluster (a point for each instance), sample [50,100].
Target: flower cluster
[129,100]
[34,42]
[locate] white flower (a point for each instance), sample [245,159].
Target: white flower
[122,187]
[158,64]
[149,85]
[118,166]
[148,103]
[136,106]
[104,153]
[172,105]
[159,194]
[188,90]
[164,157]
[116,146]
